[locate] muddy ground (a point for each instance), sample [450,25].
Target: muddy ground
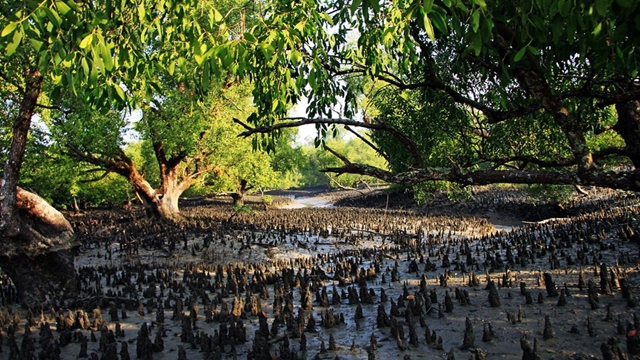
[378,275]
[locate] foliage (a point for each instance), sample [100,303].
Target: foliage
[543,194]
[441,130]
[423,192]
[288,160]
[315,159]
[477,91]
[243,209]
[267,200]
[523,92]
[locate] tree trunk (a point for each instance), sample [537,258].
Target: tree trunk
[162,202]
[39,260]
[37,239]
[10,223]
[238,196]
[628,126]
[171,189]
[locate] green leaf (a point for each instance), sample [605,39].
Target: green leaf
[300,26]
[354,5]
[267,50]
[571,30]
[85,65]
[428,27]
[106,58]
[427,5]
[86,41]
[120,92]
[597,29]
[312,80]
[625,3]
[296,56]
[9,29]
[15,42]
[56,78]
[602,7]
[225,57]
[141,11]
[171,68]
[43,62]
[476,44]
[557,29]
[53,16]
[375,6]
[249,37]
[37,44]
[217,17]
[438,20]
[199,58]
[206,75]
[475,21]
[520,54]
[62,7]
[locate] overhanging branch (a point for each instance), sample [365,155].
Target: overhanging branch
[621,179]
[300,121]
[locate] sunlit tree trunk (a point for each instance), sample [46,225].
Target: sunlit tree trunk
[10,219]
[37,239]
[161,202]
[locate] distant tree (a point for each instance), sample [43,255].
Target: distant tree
[317,159]
[184,138]
[288,160]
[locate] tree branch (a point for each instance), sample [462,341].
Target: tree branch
[364,140]
[339,156]
[607,98]
[104,175]
[623,180]
[55,107]
[299,121]
[122,165]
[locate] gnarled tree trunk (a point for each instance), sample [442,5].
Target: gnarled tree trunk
[39,260]
[37,240]
[238,196]
[162,202]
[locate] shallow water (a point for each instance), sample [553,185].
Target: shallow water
[312,201]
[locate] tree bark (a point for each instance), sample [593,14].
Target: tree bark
[36,249]
[628,126]
[162,202]
[39,259]
[238,196]
[10,223]
[238,199]
[623,180]
[171,189]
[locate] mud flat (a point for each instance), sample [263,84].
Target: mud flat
[348,283]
